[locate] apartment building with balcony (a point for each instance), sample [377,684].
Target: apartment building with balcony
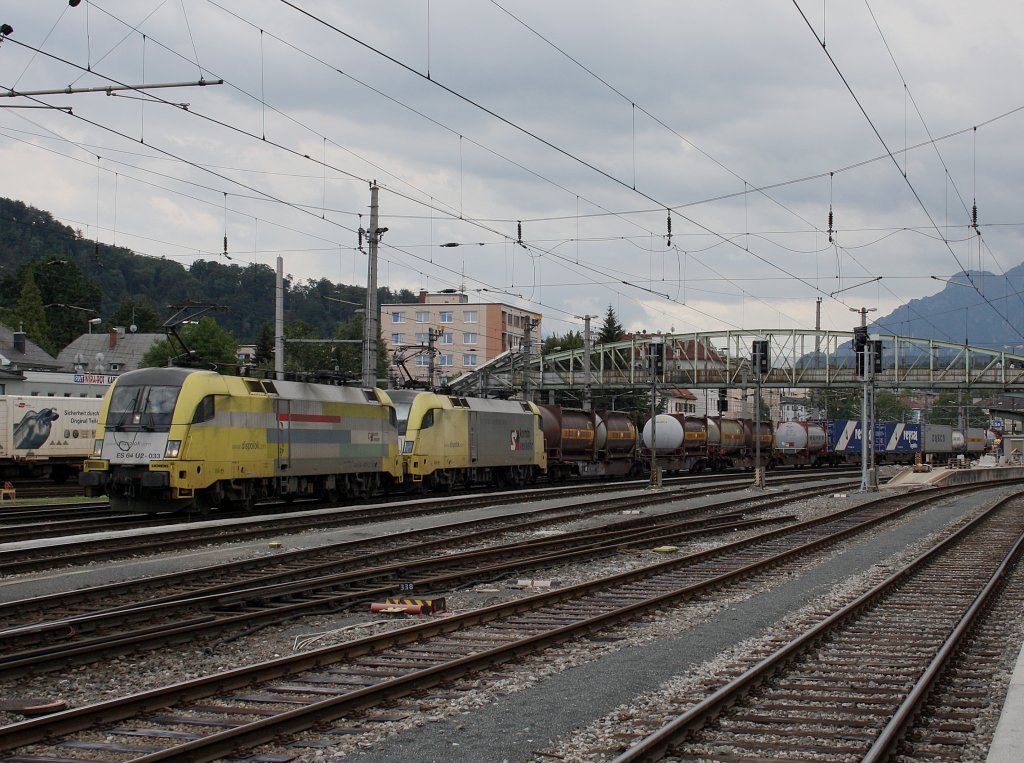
[466,333]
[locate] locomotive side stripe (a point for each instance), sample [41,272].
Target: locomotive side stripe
[309,417]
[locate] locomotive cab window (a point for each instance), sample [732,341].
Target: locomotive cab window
[146,408]
[401,412]
[204,411]
[428,419]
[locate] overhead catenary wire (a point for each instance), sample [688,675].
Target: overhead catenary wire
[906,179]
[748,231]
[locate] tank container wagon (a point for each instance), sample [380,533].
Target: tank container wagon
[173,439]
[800,443]
[731,442]
[680,442]
[582,443]
[448,442]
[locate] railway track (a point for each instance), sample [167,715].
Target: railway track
[159,611]
[39,521]
[854,685]
[41,557]
[334,688]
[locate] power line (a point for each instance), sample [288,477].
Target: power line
[903,174]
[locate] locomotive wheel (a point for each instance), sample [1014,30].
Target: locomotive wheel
[202,503]
[247,504]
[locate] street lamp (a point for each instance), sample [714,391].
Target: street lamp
[94,322]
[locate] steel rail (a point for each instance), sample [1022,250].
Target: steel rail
[20,560]
[251,733]
[657,745]
[187,616]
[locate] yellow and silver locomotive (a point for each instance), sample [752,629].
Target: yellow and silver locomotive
[448,442]
[176,438]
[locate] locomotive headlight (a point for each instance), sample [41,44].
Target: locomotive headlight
[97,448]
[173,446]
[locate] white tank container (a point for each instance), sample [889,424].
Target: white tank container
[670,432]
[797,436]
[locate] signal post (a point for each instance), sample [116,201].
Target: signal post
[761,361]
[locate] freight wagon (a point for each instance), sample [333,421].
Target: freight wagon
[582,443]
[46,436]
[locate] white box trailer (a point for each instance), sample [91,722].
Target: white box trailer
[46,436]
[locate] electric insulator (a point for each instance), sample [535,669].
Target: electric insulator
[974,215]
[830,224]
[519,232]
[360,239]
[225,246]
[669,220]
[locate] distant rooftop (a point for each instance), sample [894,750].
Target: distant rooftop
[113,352]
[19,352]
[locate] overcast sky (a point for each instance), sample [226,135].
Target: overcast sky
[583,120]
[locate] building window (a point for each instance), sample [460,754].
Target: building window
[423,316]
[445,360]
[397,339]
[398,317]
[446,316]
[447,338]
[469,359]
[469,338]
[422,360]
[422,338]
[471,316]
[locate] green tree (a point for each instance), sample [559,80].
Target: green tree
[888,407]
[571,340]
[139,312]
[947,409]
[611,330]
[305,357]
[349,357]
[30,315]
[265,347]
[206,340]
[70,299]
[835,404]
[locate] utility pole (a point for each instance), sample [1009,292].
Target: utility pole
[656,350]
[760,361]
[432,335]
[587,346]
[817,338]
[529,324]
[279,320]
[372,317]
[868,481]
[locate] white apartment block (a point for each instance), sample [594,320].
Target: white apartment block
[467,334]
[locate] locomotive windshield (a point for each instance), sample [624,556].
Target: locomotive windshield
[145,407]
[402,408]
